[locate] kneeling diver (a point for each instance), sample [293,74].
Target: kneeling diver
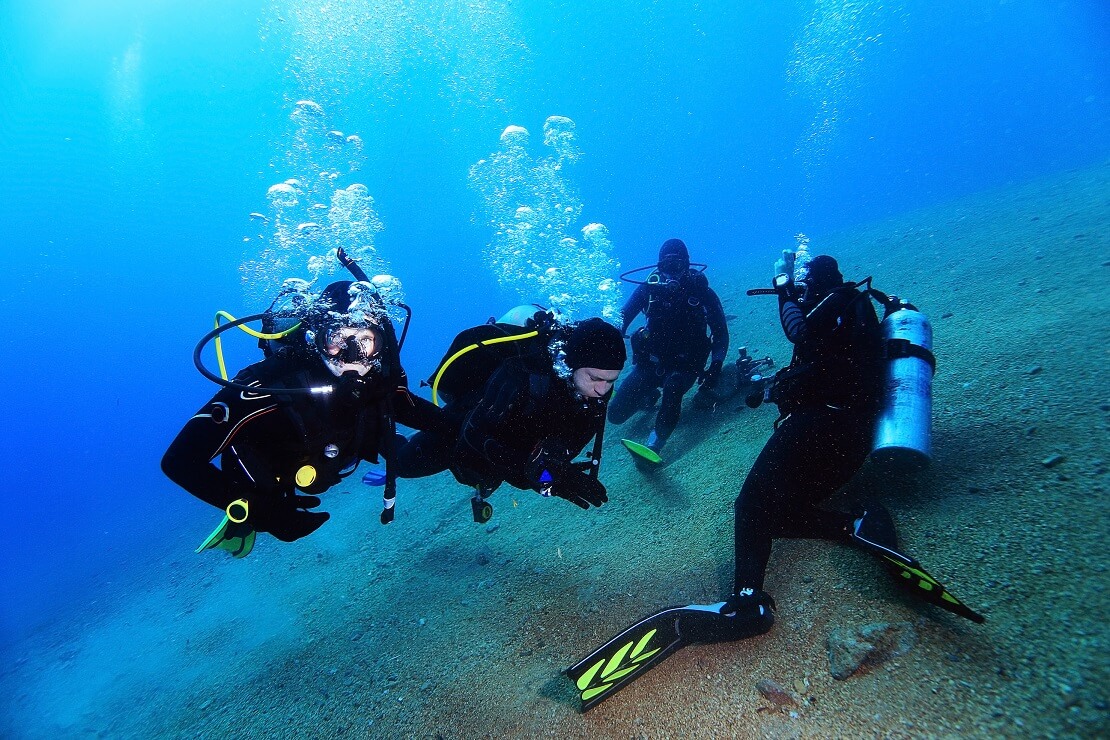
[830,397]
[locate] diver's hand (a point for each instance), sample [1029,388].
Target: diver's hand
[709,377]
[580,488]
[285,517]
[783,285]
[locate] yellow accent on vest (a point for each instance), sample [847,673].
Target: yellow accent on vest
[239,503]
[305,476]
[464,350]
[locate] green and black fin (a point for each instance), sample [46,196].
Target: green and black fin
[644,645]
[627,656]
[642,451]
[235,537]
[881,541]
[914,577]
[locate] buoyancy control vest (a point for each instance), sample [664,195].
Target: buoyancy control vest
[676,330]
[329,435]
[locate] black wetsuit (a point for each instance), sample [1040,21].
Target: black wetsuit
[523,413]
[828,397]
[246,445]
[671,351]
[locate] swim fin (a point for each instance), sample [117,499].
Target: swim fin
[873,531]
[235,537]
[914,577]
[642,451]
[646,644]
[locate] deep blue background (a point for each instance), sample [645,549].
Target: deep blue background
[124,216]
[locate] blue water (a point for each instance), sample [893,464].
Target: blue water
[135,140]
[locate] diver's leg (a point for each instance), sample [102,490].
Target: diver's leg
[632,394]
[807,459]
[835,444]
[421,455]
[769,484]
[670,409]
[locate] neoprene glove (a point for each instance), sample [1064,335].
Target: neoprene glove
[555,477]
[580,488]
[711,375]
[285,517]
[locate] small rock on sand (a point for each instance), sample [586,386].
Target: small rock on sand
[854,648]
[1052,460]
[774,693]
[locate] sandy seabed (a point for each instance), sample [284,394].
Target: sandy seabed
[439,627]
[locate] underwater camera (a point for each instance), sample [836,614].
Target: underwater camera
[752,378]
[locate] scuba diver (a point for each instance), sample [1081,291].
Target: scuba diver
[524,397]
[669,353]
[293,425]
[835,398]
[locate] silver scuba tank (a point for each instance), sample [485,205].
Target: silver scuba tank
[903,429]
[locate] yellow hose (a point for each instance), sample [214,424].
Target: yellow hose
[464,350]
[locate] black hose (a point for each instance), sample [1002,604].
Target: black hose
[352,266]
[243,386]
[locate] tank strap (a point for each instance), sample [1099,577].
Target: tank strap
[899,348]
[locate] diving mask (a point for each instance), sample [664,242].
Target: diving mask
[348,350]
[665,280]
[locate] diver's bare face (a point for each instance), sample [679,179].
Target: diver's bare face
[591,382]
[352,350]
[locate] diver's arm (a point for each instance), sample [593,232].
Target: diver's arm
[718,325]
[793,320]
[418,413]
[819,322]
[189,460]
[635,304]
[479,432]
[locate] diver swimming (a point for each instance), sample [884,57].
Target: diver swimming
[523,397]
[326,396]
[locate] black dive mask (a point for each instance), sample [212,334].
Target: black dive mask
[674,267]
[670,275]
[354,351]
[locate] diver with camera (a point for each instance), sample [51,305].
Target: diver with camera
[843,398]
[854,387]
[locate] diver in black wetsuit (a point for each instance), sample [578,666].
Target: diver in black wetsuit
[670,352]
[828,399]
[529,420]
[277,451]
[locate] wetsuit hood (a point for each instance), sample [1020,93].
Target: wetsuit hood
[595,343]
[674,258]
